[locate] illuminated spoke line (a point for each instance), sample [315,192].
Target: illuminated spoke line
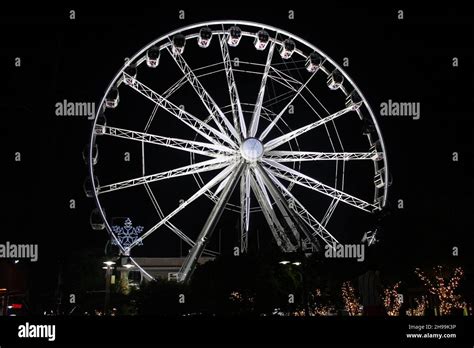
[211,134]
[200,167]
[219,118]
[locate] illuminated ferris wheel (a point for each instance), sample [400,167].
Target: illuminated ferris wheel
[278,121]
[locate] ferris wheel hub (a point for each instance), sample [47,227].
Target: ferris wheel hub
[251,149]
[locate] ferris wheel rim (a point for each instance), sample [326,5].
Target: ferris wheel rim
[229,22]
[259,25]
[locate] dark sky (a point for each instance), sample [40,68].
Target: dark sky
[407,60]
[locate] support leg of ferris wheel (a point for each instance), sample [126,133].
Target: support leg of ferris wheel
[191,260]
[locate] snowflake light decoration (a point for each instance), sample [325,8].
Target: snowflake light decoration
[127,234]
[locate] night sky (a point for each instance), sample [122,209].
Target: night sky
[408,60]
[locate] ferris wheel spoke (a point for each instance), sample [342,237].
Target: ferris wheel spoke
[218,116]
[221,186]
[272,220]
[282,205]
[200,167]
[214,181]
[288,79]
[317,227]
[289,174]
[239,122]
[299,156]
[313,109]
[171,226]
[244,209]
[193,122]
[168,224]
[191,260]
[291,89]
[280,114]
[327,216]
[262,187]
[261,93]
[166,94]
[297,132]
[277,99]
[282,81]
[205,149]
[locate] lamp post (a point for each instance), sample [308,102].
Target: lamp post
[303,282]
[4,300]
[108,274]
[127,266]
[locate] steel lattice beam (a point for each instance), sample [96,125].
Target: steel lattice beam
[238,116]
[191,260]
[244,209]
[280,114]
[318,229]
[217,179]
[297,132]
[282,207]
[261,93]
[216,113]
[201,148]
[197,125]
[298,156]
[292,175]
[293,219]
[276,228]
[168,224]
[200,167]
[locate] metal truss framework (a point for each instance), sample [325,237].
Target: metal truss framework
[205,166]
[238,116]
[255,167]
[298,156]
[219,118]
[201,148]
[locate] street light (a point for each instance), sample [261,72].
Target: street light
[126,263]
[108,275]
[4,301]
[303,281]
